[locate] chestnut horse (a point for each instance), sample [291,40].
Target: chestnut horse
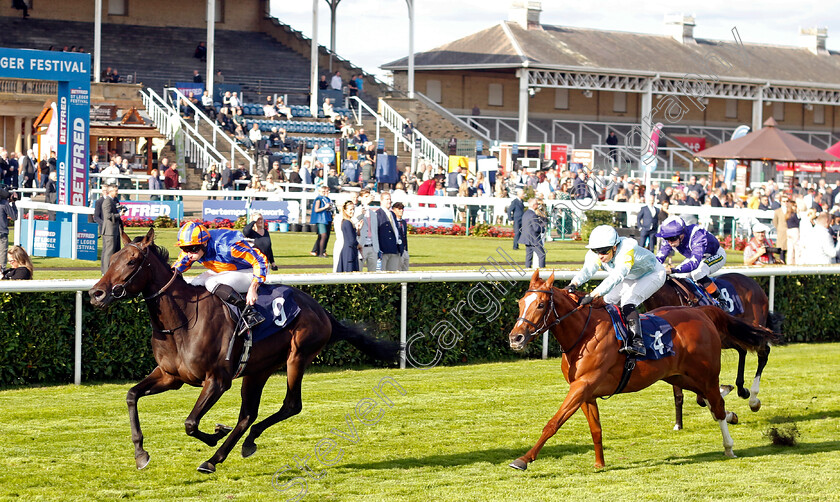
[593,367]
[756,311]
[191,329]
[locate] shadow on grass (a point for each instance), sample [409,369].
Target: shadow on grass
[493,456]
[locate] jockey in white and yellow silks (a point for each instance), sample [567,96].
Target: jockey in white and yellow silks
[233,266]
[634,275]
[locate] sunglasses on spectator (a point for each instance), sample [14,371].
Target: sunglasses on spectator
[192,249]
[602,251]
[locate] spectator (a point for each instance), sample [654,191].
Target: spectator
[760,248]
[258,231]
[818,246]
[20,266]
[108,175]
[323,84]
[515,213]
[27,166]
[329,112]
[612,141]
[207,104]
[322,216]
[220,79]
[211,179]
[197,77]
[294,178]
[171,180]
[111,226]
[408,134]
[368,234]
[200,52]
[353,86]
[52,188]
[224,121]
[254,135]
[275,177]
[282,109]
[533,233]
[8,211]
[390,242]
[23,5]
[227,177]
[647,223]
[11,176]
[346,249]
[240,137]
[780,224]
[360,83]
[235,103]
[335,81]
[154,183]
[240,174]
[268,108]
[106,75]
[402,226]
[115,76]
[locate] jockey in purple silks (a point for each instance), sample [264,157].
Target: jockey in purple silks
[704,254]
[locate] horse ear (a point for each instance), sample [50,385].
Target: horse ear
[125,238]
[150,237]
[535,276]
[550,282]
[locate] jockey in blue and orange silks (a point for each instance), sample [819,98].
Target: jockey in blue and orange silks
[233,266]
[703,252]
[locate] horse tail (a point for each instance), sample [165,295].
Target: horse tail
[775,321]
[741,333]
[356,335]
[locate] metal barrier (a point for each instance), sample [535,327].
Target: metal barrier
[402,278]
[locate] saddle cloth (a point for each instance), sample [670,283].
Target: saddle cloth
[276,303]
[656,333]
[729,299]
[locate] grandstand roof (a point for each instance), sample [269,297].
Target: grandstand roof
[509,45]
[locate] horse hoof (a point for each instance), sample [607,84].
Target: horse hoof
[731,417]
[726,389]
[743,393]
[142,460]
[729,453]
[677,427]
[519,464]
[207,468]
[248,450]
[756,405]
[224,429]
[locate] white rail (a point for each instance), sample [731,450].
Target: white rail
[199,117]
[169,122]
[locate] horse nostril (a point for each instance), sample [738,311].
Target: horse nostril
[97,294]
[519,338]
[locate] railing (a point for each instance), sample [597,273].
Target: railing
[395,122]
[199,117]
[21,86]
[402,278]
[467,124]
[169,122]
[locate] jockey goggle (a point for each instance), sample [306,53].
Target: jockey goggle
[602,251]
[192,249]
[673,238]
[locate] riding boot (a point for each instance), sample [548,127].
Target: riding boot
[633,346]
[249,315]
[711,288]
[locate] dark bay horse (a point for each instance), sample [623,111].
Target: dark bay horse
[191,331]
[756,311]
[593,366]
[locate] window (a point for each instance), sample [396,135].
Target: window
[779,111]
[819,114]
[732,108]
[561,99]
[494,95]
[117,7]
[220,11]
[619,102]
[433,90]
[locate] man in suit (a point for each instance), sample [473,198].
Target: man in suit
[389,235]
[28,167]
[647,222]
[515,212]
[780,224]
[111,226]
[402,226]
[369,230]
[97,208]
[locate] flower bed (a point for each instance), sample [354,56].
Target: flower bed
[481,230]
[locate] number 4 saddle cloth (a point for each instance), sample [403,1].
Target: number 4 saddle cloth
[656,333]
[276,303]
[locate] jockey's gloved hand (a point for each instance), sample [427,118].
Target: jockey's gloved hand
[571,288]
[586,300]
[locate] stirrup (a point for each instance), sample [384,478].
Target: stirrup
[635,348]
[251,317]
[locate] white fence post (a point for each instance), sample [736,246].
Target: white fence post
[403,321]
[771,296]
[77,372]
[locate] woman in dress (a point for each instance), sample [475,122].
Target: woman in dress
[257,231]
[20,266]
[346,249]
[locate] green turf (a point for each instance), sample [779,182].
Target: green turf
[292,253]
[449,438]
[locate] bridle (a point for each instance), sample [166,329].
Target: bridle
[538,330]
[119,290]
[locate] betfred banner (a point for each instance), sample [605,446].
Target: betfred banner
[694,143]
[429,216]
[153,209]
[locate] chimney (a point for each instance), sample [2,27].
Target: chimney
[526,13]
[813,39]
[680,28]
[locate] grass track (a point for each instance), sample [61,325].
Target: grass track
[448,438]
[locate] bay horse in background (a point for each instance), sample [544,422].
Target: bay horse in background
[593,367]
[756,308]
[190,337]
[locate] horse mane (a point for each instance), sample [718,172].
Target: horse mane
[161,252]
